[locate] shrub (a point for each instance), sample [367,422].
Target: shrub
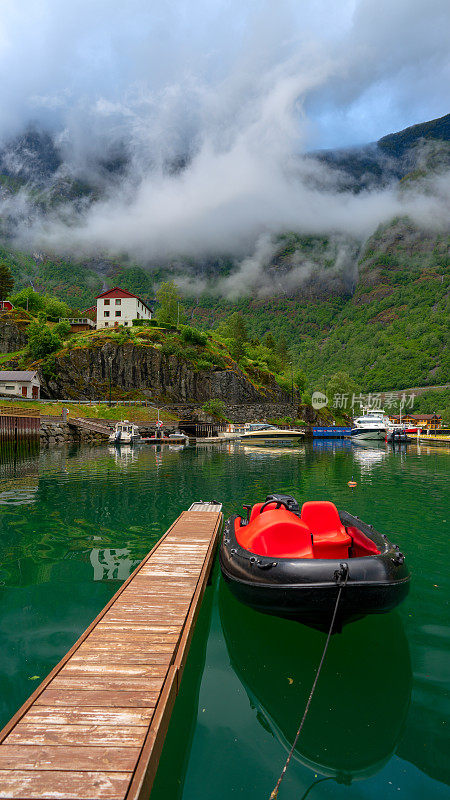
[42,341]
[193,335]
[215,408]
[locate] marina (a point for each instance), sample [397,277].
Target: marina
[77,522]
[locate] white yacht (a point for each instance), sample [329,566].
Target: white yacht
[372,424]
[125,433]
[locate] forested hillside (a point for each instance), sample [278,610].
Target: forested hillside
[377,310]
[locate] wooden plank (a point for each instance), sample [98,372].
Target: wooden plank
[74,758]
[89,715]
[93,735]
[109,698]
[54,785]
[114,670]
[101,682]
[95,726]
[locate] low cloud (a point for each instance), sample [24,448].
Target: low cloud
[206,115]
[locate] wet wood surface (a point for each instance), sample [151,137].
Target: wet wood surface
[95,727]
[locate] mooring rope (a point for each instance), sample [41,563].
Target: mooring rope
[341,576]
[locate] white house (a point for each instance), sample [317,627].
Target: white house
[22,383]
[119,307]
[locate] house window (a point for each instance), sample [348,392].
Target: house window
[106,313]
[106,324]
[106,302]
[118,313]
[118,302]
[9,388]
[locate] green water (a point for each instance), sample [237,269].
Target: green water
[74,523]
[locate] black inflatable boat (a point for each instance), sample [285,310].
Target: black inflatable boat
[289,562]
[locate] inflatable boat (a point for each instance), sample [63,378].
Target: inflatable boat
[290,562]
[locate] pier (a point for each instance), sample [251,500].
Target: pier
[85,424]
[18,424]
[95,727]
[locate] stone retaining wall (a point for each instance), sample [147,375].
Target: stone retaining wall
[239,413]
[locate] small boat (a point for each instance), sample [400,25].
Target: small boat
[125,432]
[283,561]
[397,434]
[269,436]
[372,424]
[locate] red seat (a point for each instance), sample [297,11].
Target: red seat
[330,539]
[277,533]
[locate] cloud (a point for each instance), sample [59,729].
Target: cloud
[213,105]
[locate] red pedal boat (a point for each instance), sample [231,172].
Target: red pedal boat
[286,561]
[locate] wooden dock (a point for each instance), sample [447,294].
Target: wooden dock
[85,424]
[94,728]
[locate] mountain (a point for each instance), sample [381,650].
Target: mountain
[377,309]
[392,157]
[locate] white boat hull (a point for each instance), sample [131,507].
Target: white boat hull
[360,434]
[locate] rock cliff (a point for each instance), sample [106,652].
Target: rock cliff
[135,370]
[12,331]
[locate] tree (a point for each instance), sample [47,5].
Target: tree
[169,300]
[269,341]
[340,391]
[55,308]
[42,341]
[6,281]
[29,299]
[236,330]
[63,329]
[300,380]
[282,350]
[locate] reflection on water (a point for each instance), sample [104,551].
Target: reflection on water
[112,565]
[356,717]
[90,515]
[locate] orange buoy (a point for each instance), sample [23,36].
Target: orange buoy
[352,484]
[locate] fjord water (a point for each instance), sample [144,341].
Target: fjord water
[74,523]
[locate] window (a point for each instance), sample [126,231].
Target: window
[118,302]
[9,388]
[106,302]
[106,324]
[106,313]
[118,313]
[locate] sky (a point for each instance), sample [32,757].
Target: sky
[238,93]
[363,68]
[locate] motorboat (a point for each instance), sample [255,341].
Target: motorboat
[125,432]
[397,434]
[271,436]
[372,424]
[288,561]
